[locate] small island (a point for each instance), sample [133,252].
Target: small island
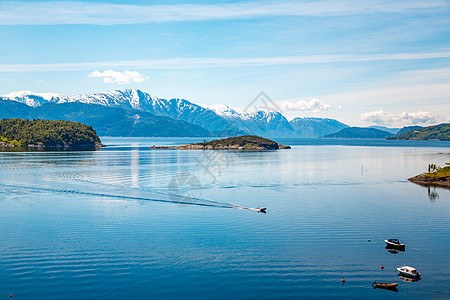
[245,142]
[19,134]
[435,176]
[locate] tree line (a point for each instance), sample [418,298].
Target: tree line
[49,133]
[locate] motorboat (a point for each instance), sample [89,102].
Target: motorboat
[395,243]
[408,271]
[261,209]
[386,286]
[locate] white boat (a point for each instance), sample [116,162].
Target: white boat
[408,271]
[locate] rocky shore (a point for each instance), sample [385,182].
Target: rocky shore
[41,146]
[427,180]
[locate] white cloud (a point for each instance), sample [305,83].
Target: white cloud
[111,76]
[207,62]
[314,105]
[380,117]
[71,12]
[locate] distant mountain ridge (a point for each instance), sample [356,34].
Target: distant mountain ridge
[218,120]
[360,133]
[139,110]
[179,109]
[408,128]
[107,121]
[383,128]
[316,127]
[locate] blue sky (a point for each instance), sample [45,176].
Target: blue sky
[361,62]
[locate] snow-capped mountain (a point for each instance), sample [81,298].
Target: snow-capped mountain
[218,119]
[179,109]
[260,123]
[30,98]
[134,99]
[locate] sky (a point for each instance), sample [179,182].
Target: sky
[363,63]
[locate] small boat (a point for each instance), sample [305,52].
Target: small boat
[387,286]
[379,284]
[408,271]
[261,209]
[395,243]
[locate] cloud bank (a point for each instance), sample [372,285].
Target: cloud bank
[71,12]
[314,105]
[111,76]
[380,117]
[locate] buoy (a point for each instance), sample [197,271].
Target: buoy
[382,267]
[368,240]
[10,295]
[342,280]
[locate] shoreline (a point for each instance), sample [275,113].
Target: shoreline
[245,142]
[424,180]
[210,147]
[41,147]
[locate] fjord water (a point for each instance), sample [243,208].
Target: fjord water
[119,223]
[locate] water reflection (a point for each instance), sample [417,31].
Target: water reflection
[392,289]
[394,250]
[134,166]
[408,279]
[432,194]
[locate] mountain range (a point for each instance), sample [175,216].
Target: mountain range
[360,133]
[132,112]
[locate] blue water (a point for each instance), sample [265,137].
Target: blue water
[128,222]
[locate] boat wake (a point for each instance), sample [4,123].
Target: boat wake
[132,194]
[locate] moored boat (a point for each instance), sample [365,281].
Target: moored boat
[388,286]
[394,243]
[408,271]
[379,284]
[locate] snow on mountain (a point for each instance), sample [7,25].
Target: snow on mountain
[31,98]
[132,99]
[223,110]
[268,123]
[219,119]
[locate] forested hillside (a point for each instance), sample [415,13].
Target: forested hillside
[42,133]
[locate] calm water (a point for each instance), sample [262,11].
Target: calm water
[121,223]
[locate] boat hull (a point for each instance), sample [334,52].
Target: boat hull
[386,286]
[390,245]
[415,276]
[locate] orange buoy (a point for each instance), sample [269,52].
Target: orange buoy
[382,267]
[342,280]
[10,295]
